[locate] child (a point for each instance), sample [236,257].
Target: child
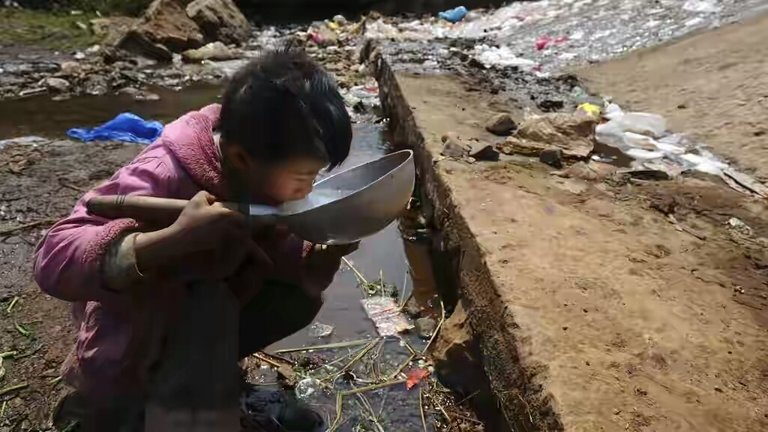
[145,296]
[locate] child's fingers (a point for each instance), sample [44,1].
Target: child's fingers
[259,256]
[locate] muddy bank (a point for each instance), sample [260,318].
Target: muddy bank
[594,310]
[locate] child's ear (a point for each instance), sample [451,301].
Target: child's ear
[236,157]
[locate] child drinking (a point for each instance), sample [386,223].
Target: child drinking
[164,314]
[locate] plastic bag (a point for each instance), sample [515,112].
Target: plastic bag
[454,15]
[125,127]
[385,313]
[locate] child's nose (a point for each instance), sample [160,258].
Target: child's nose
[304,191]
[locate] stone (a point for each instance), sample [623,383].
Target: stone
[501,124]
[56,84]
[412,308]
[573,134]
[425,327]
[70,67]
[482,151]
[552,157]
[216,51]
[164,28]
[139,95]
[592,171]
[454,147]
[220,20]
[110,29]
[514,145]
[96,85]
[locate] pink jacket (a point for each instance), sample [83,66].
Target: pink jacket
[120,333]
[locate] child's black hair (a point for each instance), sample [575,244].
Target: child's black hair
[283,104]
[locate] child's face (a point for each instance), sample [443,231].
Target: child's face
[291,180]
[270,183]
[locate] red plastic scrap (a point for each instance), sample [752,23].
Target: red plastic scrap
[544,42]
[415,376]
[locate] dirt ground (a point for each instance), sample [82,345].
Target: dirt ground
[39,184]
[713,85]
[593,310]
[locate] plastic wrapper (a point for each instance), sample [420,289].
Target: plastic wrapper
[385,314]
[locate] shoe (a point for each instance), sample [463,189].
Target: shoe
[271,410]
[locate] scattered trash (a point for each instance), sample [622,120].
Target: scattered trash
[415,376]
[738,180]
[501,57]
[454,15]
[544,42]
[589,109]
[214,51]
[385,314]
[739,226]
[126,127]
[307,387]
[704,6]
[318,330]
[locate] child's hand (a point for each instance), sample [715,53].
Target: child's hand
[207,241]
[322,263]
[205,223]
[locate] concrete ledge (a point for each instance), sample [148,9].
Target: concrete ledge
[592,311]
[524,405]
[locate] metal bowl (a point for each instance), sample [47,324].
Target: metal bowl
[355,203]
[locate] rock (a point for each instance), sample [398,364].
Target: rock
[412,308]
[139,95]
[56,84]
[425,327]
[220,20]
[165,28]
[213,51]
[592,171]
[70,68]
[454,147]
[96,85]
[482,151]
[552,157]
[111,29]
[514,145]
[501,124]
[573,134]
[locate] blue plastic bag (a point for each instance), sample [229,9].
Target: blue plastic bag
[125,127]
[454,15]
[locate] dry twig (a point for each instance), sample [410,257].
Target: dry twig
[9,231]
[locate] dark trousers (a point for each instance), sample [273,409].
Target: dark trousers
[276,312]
